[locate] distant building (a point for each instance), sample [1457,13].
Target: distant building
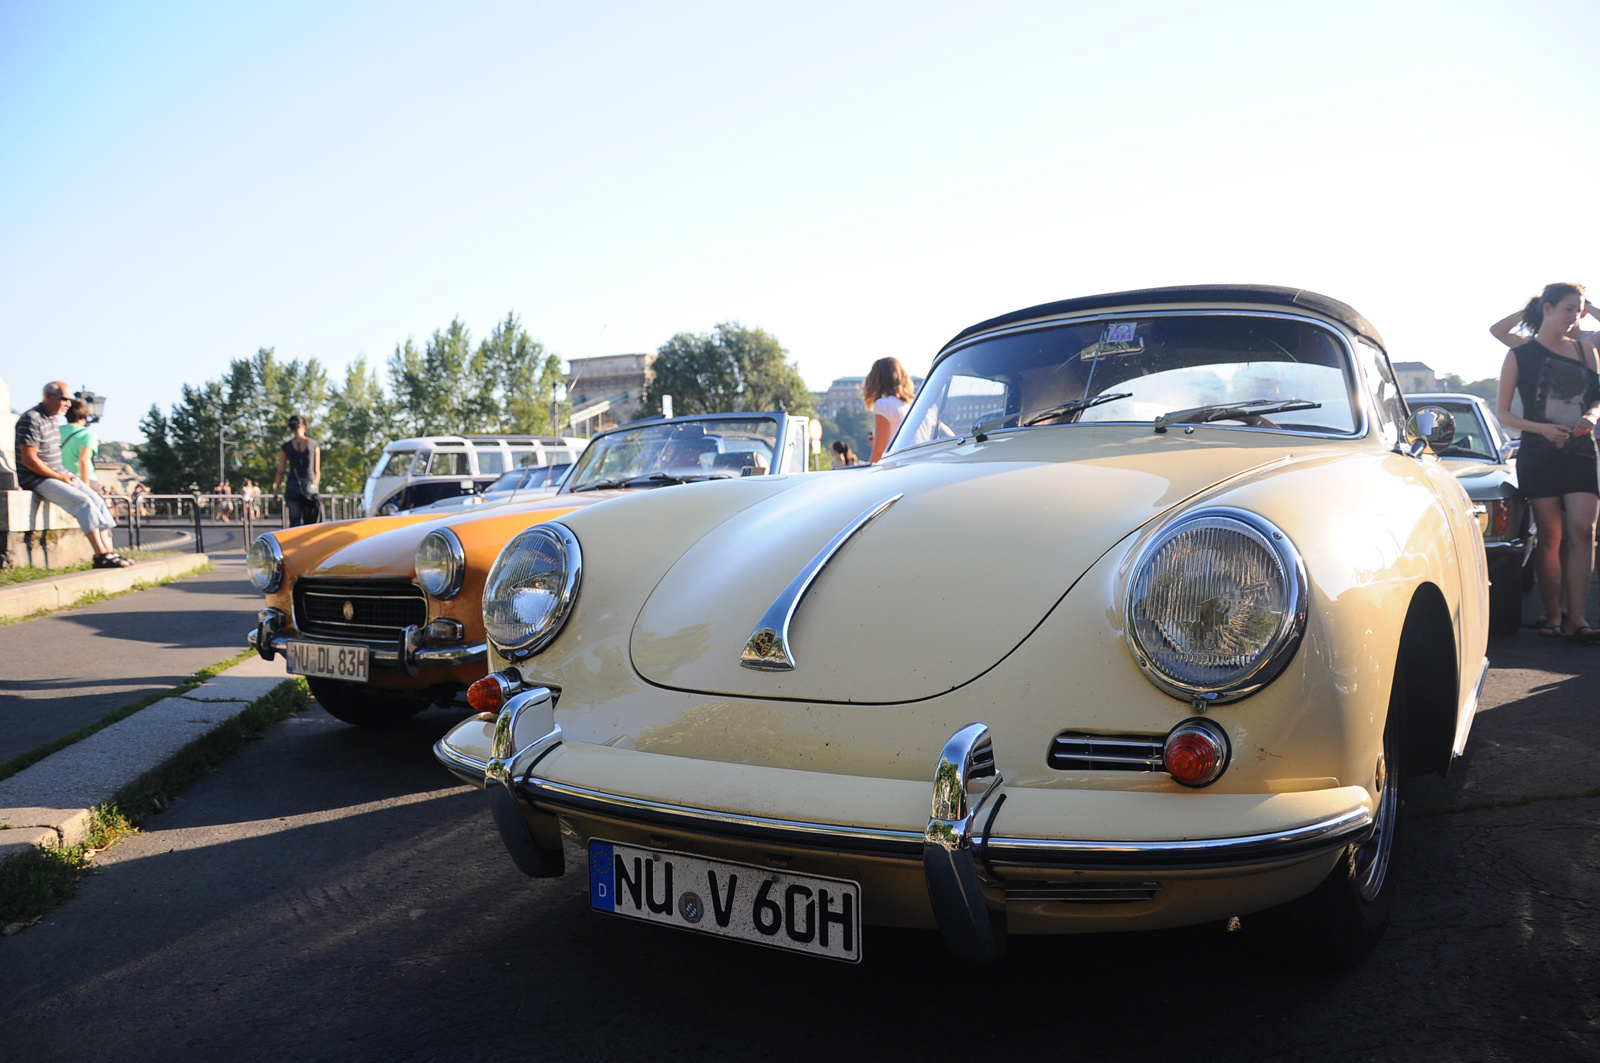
[842,394]
[606,390]
[1415,378]
[117,477]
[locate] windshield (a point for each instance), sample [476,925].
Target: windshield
[520,479]
[1141,369]
[393,463]
[678,451]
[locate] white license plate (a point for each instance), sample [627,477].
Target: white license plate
[802,913]
[331,662]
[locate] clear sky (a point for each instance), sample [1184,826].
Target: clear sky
[181,184]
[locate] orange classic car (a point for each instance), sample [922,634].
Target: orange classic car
[384,616]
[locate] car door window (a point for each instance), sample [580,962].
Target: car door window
[448,463]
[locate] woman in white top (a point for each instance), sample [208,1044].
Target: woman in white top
[887,391]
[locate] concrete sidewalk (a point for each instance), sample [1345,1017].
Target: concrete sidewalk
[49,803]
[72,668]
[58,592]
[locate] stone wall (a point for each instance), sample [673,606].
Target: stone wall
[34,532]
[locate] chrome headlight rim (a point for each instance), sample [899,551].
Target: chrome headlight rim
[567,543]
[1280,650]
[458,564]
[275,557]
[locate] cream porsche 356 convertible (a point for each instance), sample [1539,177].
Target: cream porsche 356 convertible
[1153,606]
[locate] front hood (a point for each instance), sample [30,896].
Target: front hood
[983,543]
[386,547]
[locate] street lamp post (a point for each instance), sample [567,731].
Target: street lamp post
[223,442]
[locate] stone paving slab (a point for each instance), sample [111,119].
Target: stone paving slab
[58,592]
[57,793]
[13,842]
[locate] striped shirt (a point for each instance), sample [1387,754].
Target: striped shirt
[35,428]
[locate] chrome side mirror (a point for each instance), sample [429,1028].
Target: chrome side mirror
[1430,427]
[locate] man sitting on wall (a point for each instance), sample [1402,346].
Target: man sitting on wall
[39,470]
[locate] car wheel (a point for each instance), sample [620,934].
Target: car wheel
[1337,924]
[364,706]
[1505,599]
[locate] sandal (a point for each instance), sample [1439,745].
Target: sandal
[1583,634]
[1548,630]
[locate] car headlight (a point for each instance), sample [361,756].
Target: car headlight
[440,563]
[264,560]
[531,589]
[1216,606]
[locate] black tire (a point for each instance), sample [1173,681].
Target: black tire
[364,706]
[1505,598]
[1337,924]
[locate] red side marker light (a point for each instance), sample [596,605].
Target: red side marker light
[1195,753]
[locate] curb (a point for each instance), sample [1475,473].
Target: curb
[49,803]
[58,592]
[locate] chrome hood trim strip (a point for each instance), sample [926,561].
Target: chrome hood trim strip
[767,649]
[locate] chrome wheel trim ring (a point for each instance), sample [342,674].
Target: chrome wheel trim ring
[1372,857]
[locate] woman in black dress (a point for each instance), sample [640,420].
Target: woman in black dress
[301,456]
[1558,468]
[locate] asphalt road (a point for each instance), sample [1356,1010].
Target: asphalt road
[330,894]
[69,669]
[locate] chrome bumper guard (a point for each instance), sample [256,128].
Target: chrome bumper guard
[409,652]
[958,850]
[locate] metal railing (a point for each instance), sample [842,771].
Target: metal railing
[195,512]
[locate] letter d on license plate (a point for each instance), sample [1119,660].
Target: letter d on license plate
[802,913]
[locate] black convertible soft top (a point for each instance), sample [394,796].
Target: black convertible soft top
[1266,294]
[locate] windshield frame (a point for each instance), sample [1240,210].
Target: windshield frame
[1353,375]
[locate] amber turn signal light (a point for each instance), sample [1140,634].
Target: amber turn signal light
[1195,753]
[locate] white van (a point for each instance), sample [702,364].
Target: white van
[415,472]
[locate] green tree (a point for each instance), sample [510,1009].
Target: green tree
[515,382]
[852,426]
[730,369]
[360,421]
[251,403]
[433,387]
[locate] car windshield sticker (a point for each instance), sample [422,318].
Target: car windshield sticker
[1116,339]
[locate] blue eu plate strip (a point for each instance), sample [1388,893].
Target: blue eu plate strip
[602,884]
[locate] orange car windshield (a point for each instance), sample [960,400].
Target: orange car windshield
[675,451]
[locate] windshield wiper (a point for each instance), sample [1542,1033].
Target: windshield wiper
[980,432]
[656,478]
[1233,410]
[1461,450]
[600,485]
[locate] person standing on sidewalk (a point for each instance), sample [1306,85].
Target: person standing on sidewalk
[1558,467]
[39,470]
[303,460]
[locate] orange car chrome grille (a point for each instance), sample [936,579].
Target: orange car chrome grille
[366,610]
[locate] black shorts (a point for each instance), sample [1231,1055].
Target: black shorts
[1545,471]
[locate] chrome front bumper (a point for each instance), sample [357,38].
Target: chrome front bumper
[959,849]
[408,652]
